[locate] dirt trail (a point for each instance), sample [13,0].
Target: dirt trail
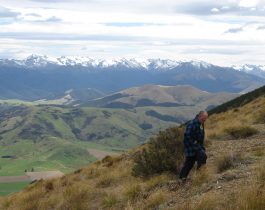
[31,176]
[100,154]
[44,175]
[225,183]
[10,179]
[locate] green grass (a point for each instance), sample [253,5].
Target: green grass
[16,102]
[31,103]
[8,188]
[58,148]
[52,154]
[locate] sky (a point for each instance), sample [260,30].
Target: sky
[223,32]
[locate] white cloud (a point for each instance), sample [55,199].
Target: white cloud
[109,28]
[249,3]
[215,10]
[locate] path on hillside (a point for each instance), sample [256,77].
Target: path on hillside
[229,181]
[11,179]
[100,154]
[31,176]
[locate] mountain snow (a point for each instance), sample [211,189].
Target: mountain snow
[133,63]
[249,67]
[257,70]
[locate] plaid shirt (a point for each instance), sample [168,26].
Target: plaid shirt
[193,138]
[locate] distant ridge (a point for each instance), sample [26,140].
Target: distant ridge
[163,96]
[239,101]
[42,77]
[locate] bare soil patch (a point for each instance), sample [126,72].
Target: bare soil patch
[31,176]
[100,154]
[44,175]
[11,179]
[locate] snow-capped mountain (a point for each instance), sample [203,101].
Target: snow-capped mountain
[35,61]
[31,61]
[258,70]
[134,63]
[42,77]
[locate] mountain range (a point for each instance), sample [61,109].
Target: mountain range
[258,70]
[42,77]
[34,61]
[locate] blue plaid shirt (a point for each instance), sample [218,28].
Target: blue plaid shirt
[193,138]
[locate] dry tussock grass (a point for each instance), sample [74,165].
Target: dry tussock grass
[110,201]
[83,189]
[133,192]
[154,200]
[260,114]
[241,131]
[252,195]
[123,191]
[258,152]
[260,171]
[201,176]
[156,181]
[249,198]
[228,161]
[208,202]
[105,180]
[241,116]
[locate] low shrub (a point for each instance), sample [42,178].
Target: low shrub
[163,153]
[228,161]
[241,131]
[107,161]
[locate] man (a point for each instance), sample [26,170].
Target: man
[194,144]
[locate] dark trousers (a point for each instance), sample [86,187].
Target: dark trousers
[200,157]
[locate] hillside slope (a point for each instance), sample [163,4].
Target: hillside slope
[163,96]
[233,179]
[58,137]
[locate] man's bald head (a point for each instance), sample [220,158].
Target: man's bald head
[202,116]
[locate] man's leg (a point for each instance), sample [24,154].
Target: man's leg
[201,159]
[189,162]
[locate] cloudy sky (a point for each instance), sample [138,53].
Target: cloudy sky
[223,32]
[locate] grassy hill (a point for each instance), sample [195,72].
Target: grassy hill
[53,137]
[162,96]
[233,179]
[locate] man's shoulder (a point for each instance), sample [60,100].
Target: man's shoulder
[195,121]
